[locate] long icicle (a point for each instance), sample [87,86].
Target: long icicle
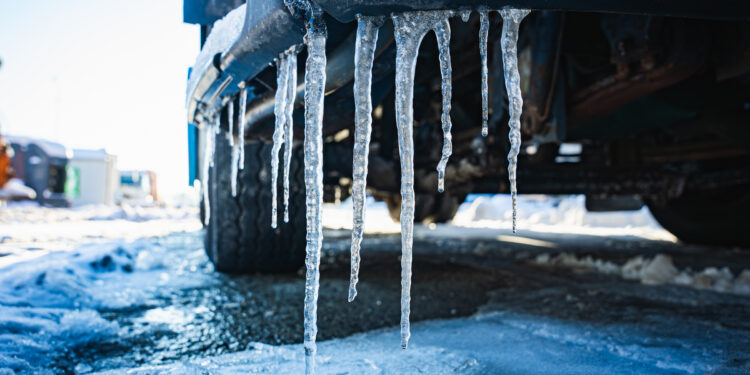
[241,125]
[235,148]
[315,78]
[511,20]
[208,154]
[278,133]
[291,95]
[484,29]
[443,34]
[364,53]
[410,29]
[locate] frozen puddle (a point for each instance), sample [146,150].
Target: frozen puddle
[482,344]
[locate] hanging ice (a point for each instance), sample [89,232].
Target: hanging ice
[484,28]
[241,126]
[230,122]
[289,129]
[511,20]
[209,135]
[235,147]
[364,53]
[315,78]
[410,29]
[278,133]
[443,34]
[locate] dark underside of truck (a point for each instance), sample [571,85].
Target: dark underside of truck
[626,102]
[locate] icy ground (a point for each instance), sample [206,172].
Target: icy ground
[129,290]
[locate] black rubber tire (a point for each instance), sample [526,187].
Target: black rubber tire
[239,237]
[716,217]
[437,208]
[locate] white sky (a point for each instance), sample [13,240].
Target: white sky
[100,74]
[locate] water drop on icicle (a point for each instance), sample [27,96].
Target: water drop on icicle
[364,53]
[241,126]
[278,132]
[315,78]
[484,28]
[443,34]
[410,29]
[511,20]
[291,95]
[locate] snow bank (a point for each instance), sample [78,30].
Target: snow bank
[551,214]
[655,271]
[540,214]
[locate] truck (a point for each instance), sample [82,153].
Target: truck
[629,103]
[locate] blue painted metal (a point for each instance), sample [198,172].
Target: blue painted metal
[206,12]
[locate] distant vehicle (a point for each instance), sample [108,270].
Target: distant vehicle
[41,165]
[625,102]
[137,187]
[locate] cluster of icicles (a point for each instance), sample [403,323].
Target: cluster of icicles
[410,28]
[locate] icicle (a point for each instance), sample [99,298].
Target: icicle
[209,136]
[315,78]
[230,122]
[511,20]
[241,126]
[443,34]
[278,133]
[409,29]
[235,147]
[289,130]
[484,28]
[364,53]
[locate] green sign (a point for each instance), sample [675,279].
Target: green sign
[72,182]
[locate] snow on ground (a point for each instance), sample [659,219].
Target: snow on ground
[59,267]
[493,343]
[656,270]
[28,231]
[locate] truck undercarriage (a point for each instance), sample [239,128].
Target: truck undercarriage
[627,103]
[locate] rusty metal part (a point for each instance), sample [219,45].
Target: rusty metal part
[687,54]
[545,66]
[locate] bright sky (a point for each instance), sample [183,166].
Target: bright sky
[100,74]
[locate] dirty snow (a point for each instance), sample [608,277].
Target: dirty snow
[654,271]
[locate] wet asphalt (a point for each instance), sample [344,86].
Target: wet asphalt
[453,277]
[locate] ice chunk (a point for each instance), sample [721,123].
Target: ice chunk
[289,129]
[511,20]
[367,37]
[278,134]
[315,79]
[443,34]
[484,29]
[410,29]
